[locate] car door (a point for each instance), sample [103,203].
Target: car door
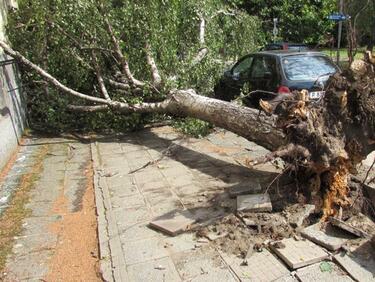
[264,74]
[239,74]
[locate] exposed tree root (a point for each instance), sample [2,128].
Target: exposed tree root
[336,193]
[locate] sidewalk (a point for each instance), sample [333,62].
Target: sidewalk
[50,207]
[77,205]
[156,174]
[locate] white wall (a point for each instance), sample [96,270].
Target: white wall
[12,113]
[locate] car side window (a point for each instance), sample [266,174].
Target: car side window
[243,67]
[262,67]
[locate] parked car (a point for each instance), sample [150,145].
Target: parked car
[286,46]
[272,73]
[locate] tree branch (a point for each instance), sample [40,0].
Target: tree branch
[156,78]
[99,76]
[118,85]
[118,53]
[49,77]
[89,109]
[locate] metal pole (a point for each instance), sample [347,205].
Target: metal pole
[339,33]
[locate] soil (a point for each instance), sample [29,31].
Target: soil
[76,257]
[235,233]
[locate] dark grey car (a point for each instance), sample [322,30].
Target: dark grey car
[276,72]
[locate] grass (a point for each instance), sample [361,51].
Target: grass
[343,53]
[11,219]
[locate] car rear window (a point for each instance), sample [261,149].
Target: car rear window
[307,67]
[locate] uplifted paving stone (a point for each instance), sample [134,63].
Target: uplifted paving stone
[252,187]
[328,237]
[360,264]
[255,203]
[316,272]
[262,266]
[173,222]
[300,253]
[347,227]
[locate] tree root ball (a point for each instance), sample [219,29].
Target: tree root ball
[338,132]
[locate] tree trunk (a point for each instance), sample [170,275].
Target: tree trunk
[246,122]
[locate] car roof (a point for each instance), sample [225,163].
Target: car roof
[287,43]
[284,53]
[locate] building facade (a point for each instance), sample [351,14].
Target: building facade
[12,99]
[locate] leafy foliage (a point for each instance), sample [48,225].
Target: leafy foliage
[193,127]
[60,35]
[299,20]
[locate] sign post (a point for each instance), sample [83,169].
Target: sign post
[339,17]
[339,34]
[275,31]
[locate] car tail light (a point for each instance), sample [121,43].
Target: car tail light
[283,90]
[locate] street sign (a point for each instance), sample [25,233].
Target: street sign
[337,17]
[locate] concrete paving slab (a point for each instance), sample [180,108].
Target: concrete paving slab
[154,197]
[361,268]
[173,223]
[123,190]
[119,180]
[158,270]
[255,203]
[328,237]
[287,278]
[21,268]
[203,264]
[128,217]
[128,202]
[143,250]
[297,254]
[263,266]
[250,188]
[153,185]
[25,245]
[166,206]
[315,273]
[180,243]
[137,231]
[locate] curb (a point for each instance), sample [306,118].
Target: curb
[112,262]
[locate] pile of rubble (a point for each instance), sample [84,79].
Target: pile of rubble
[254,229]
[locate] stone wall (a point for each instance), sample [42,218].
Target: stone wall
[12,100]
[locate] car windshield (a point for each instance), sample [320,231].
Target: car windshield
[307,67]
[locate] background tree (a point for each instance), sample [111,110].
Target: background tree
[360,29]
[299,20]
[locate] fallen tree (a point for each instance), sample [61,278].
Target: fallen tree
[322,141]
